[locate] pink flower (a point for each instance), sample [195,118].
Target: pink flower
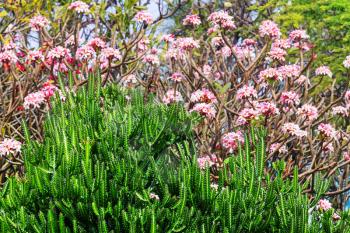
[154,196]
[328,148]
[96,43]
[204,162]
[151,59]
[79,6]
[282,149]
[277,54]
[203,95]
[34,100]
[8,57]
[247,115]
[207,110]
[269,74]
[281,43]
[346,62]
[246,92]
[270,29]
[222,19]
[9,146]
[290,98]
[168,38]
[85,53]
[142,45]
[308,111]
[302,79]
[293,129]
[217,41]
[324,205]
[249,43]
[143,17]
[110,54]
[192,20]
[34,56]
[177,77]
[129,80]
[58,53]
[207,70]
[327,130]
[324,70]
[346,156]
[267,109]
[298,35]
[289,71]
[38,22]
[187,43]
[231,141]
[172,96]
[340,110]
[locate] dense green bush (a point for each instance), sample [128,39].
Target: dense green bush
[112,163]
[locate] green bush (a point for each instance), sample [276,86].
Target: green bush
[105,154]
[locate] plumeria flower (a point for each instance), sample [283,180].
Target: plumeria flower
[298,35]
[207,110]
[346,156]
[110,54]
[324,205]
[154,196]
[340,110]
[187,43]
[290,98]
[277,147]
[191,20]
[142,45]
[204,162]
[246,115]
[269,74]
[143,17]
[267,109]
[177,77]
[327,130]
[38,22]
[231,141]
[172,96]
[221,19]
[270,29]
[203,95]
[151,59]
[85,53]
[58,53]
[289,71]
[346,62]
[34,100]
[308,111]
[34,56]
[79,6]
[97,43]
[293,129]
[281,43]
[8,57]
[246,92]
[9,146]
[277,54]
[168,38]
[324,70]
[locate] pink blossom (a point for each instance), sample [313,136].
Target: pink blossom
[79,6]
[60,67]
[142,45]
[8,57]
[187,43]
[346,62]
[231,141]
[58,53]
[277,54]
[289,71]
[281,43]
[110,54]
[293,129]
[249,43]
[246,92]
[267,109]
[9,146]
[324,70]
[270,29]
[217,41]
[346,156]
[129,80]
[168,38]
[327,130]
[85,53]
[96,43]
[143,17]
[204,162]
[38,22]
[207,110]
[302,79]
[324,205]
[246,115]
[207,70]
[154,196]
[308,111]
[10,46]
[290,98]
[203,95]
[34,100]
[298,35]
[177,77]
[269,74]
[222,19]
[34,56]
[225,51]
[172,96]
[282,149]
[340,110]
[192,20]
[328,148]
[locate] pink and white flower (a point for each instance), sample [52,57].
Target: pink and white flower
[324,70]
[246,92]
[58,53]
[270,29]
[79,6]
[340,110]
[110,54]
[267,109]
[38,22]
[231,141]
[290,98]
[154,196]
[192,20]
[9,146]
[207,110]
[172,96]
[277,147]
[293,129]
[324,205]
[222,19]
[97,43]
[204,162]
[177,77]
[143,17]
[269,74]
[85,53]
[346,62]
[327,130]
[308,111]
[203,95]
[34,56]
[34,100]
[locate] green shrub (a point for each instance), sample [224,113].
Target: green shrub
[106,157]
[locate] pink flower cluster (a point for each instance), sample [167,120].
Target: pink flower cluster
[97,43]
[270,29]
[346,62]
[290,98]
[204,162]
[340,110]
[207,110]
[191,20]
[221,19]
[203,95]
[79,6]
[8,57]
[277,147]
[172,96]
[177,77]
[36,99]
[293,129]
[324,70]
[186,43]
[324,205]
[85,53]
[246,92]
[9,146]
[58,53]
[38,22]
[143,17]
[231,141]
[34,56]
[308,111]
[327,130]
